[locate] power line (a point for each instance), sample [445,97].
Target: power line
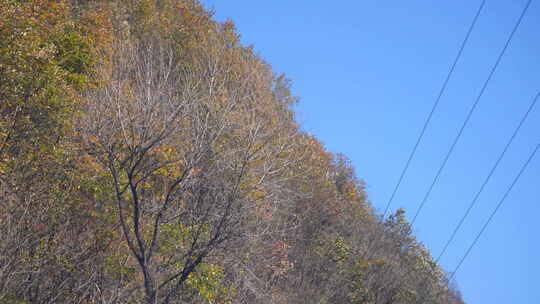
[495,210]
[443,88]
[488,177]
[468,117]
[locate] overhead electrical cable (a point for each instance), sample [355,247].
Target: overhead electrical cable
[525,165]
[434,107]
[488,177]
[471,111]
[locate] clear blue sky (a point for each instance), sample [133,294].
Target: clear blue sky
[367,73]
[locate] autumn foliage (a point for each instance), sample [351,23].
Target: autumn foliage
[146,156]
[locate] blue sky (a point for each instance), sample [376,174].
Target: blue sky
[367,73]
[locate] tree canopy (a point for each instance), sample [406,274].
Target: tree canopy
[147,156]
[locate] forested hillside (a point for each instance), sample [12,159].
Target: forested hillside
[146,156]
